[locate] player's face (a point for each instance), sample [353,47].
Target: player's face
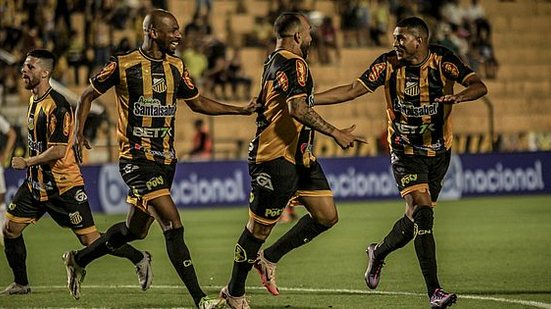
[306,36]
[168,35]
[406,43]
[32,72]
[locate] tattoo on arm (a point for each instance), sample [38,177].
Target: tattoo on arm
[305,114]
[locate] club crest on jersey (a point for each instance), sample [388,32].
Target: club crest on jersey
[66,124]
[187,79]
[412,89]
[53,124]
[107,71]
[376,71]
[159,85]
[75,217]
[302,73]
[451,69]
[282,80]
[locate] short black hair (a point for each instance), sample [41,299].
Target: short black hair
[415,23]
[48,58]
[287,23]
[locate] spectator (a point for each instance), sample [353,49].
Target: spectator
[236,77]
[6,148]
[202,142]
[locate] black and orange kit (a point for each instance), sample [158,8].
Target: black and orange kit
[281,163]
[147,90]
[57,187]
[417,125]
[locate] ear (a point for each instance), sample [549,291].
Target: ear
[297,37]
[45,74]
[153,33]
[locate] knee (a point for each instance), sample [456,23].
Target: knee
[328,222]
[423,217]
[134,234]
[259,231]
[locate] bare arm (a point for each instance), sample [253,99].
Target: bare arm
[51,154]
[11,136]
[299,109]
[204,105]
[83,109]
[340,94]
[475,89]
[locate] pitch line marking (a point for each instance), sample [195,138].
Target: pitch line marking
[530,303]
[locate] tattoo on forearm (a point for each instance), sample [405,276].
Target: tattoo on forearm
[309,117]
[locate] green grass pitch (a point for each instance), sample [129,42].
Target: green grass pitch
[494,252]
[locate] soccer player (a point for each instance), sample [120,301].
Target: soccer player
[418,79]
[148,81]
[53,183]
[281,163]
[5,153]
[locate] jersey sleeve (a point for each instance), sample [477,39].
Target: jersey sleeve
[59,126]
[107,77]
[454,69]
[375,75]
[186,87]
[292,78]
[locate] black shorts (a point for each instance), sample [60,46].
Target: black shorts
[275,182]
[413,172]
[146,179]
[70,209]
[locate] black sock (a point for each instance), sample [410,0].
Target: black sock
[129,252]
[400,235]
[301,233]
[180,257]
[425,246]
[246,251]
[116,236]
[16,253]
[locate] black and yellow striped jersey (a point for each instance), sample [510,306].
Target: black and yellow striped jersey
[286,76]
[50,121]
[147,90]
[416,123]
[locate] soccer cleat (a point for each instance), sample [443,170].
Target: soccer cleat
[374,267]
[266,269]
[75,273]
[234,302]
[212,303]
[441,299]
[15,288]
[144,271]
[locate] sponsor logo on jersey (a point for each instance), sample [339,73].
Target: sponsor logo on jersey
[106,72]
[52,123]
[187,79]
[151,107]
[151,132]
[66,124]
[159,85]
[376,71]
[408,109]
[282,80]
[451,69]
[30,123]
[75,217]
[302,73]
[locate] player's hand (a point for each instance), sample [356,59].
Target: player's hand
[18,163]
[448,99]
[251,107]
[80,142]
[346,139]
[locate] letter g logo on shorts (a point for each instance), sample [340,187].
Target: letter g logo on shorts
[265,181]
[81,196]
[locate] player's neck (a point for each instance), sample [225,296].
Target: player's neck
[419,58]
[286,45]
[152,50]
[40,89]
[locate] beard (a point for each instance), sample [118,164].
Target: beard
[33,82]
